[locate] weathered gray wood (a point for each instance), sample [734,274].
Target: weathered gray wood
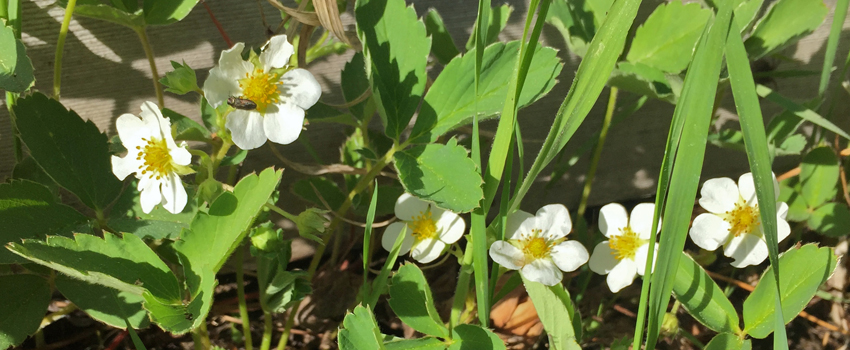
[106,74]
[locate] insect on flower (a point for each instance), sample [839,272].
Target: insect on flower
[241,103]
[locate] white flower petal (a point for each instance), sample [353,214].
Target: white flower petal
[718,195]
[150,195]
[407,207]
[507,255]
[640,258]
[514,222]
[569,255]
[300,87]
[612,218]
[427,250]
[746,249]
[709,231]
[246,129]
[391,232]
[160,126]
[747,188]
[451,227]
[231,63]
[602,261]
[219,86]
[783,230]
[131,130]
[622,275]
[554,220]
[123,167]
[781,210]
[283,123]
[173,194]
[543,271]
[641,220]
[276,53]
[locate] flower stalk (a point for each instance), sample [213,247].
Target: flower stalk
[60,46]
[146,45]
[238,259]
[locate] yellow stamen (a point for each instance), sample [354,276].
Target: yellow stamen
[261,88]
[156,158]
[743,219]
[534,246]
[626,244]
[423,226]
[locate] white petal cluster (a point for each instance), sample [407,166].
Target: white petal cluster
[428,229]
[537,246]
[733,220]
[623,255]
[153,157]
[281,94]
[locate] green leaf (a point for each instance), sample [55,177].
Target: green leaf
[104,304]
[443,47]
[162,12]
[29,210]
[181,80]
[785,22]
[802,270]
[110,14]
[702,298]
[396,49]
[73,152]
[124,263]
[328,189]
[667,39]
[473,337]
[387,197]
[311,224]
[186,129]
[26,298]
[355,83]
[556,312]
[410,299]
[792,145]
[177,316]
[725,341]
[361,331]
[745,13]
[819,175]
[831,219]
[214,235]
[427,343]
[15,67]
[442,174]
[578,21]
[497,20]
[798,210]
[126,215]
[451,103]
[645,80]
[279,289]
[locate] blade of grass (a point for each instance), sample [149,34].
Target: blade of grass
[367,241]
[840,14]
[590,79]
[135,337]
[380,283]
[799,110]
[755,141]
[696,104]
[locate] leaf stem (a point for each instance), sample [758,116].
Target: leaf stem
[200,337]
[60,46]
[282,212]
[597,152]
[146,45]
[238,259]
[267,331]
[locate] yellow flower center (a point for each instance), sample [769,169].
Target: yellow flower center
[423,226]
[261,88]
[626,244]
[156,157]
[743,219]
[535,246]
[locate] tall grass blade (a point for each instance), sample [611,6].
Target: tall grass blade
[840,14]
[367,241]
[799,110]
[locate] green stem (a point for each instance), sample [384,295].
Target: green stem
[201,338]
[282,212]
[267,331]
[597,152]
[4,9]
[60,46]
[146,45]
[462,288]
[11,101]
[39,339]
[240,293]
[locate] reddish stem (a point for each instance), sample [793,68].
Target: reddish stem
[117,340]
[218,25]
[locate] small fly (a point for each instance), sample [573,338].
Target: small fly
[241,103]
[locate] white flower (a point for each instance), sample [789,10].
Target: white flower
[429,229]
[623,255]
[154,157]
[733,220]
[281,93]
[537,246]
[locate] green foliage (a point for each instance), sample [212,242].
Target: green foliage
[311,223]
[784,23]
[410,299]
[184,128]
[355,83]
[497,20]
[831,219]
[104,304]
[427,343]
[473,337]
[16,72]
[109,13]
[802,271]
[279,289]
[746,12]
[73,152]
[162,12]
[556,312]
[397,71]
[127,12]
[360,331]
[181,80]
[668,37]
[728,341]
[702,298]
[327,189]
[819,176]
[451,101]
[810,198]
[578,21]
[645,80]
[443,47]
[26,298]
[126,215]
[798,111]
[29,210]
[443,174]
